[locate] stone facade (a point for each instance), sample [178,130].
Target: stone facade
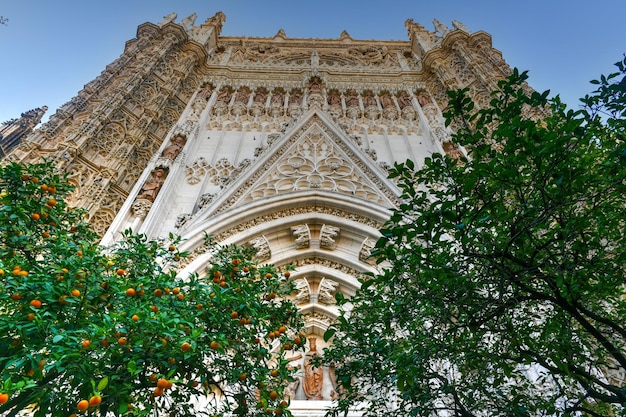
[278,143]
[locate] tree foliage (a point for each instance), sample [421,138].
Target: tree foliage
[502,283]
[115,331]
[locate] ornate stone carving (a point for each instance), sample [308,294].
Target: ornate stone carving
[141,208]
[197,171]
[366,250]
[303,291]
[302,235]
[153,185]
[262,246]
[182,219]
[328,235]
[326,291]
[205,199]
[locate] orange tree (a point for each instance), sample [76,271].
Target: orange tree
[90,331]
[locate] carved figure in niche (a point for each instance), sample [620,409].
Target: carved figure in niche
[295,98]
[152,187]
[315,87]
[205,92]
[404,100]
[174,148]
[369,100]
[352,99]
[334,99]
[260,97]
[242,96]
[386,101]
[277,98]
[312,379]
[423,98]
[224,96]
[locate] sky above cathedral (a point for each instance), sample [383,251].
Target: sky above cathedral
[50,49]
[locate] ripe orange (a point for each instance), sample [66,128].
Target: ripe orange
[199,306]
[157,392]
[45,235]
[30,316]
[154,309]
[176,290]
[16,297]
[36,303]
[122,341]
[297,340]
[131,292]
[214,345]
[282,329]
[162,383]
[180,297]
[121,272]
[35,216]
[172,248]
[23,273]
[185,347]
[273,395]
[86,343]
[75,293]
[242,376]
[51,202]
[135,317]
[268,275]
[95,401]
[274,372]
[82,405]
[4,398]
[158,292]
[287,274]
[234,315]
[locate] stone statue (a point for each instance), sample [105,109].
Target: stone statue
[152,187]
[168,19]
[174,148]
[312,379]
[423,98]
[189,20]
[460,26]
[440,27]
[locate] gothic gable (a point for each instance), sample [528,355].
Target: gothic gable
[314,155]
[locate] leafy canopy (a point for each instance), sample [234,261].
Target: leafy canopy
[117,332]
[502,288]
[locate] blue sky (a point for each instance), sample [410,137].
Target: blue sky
[50,49]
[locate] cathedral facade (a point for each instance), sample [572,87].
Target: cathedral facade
[278,143]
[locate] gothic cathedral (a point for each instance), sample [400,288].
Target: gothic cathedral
[278,143]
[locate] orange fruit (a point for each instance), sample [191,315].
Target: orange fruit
[158,292]
[4,398]
[176,291]
[30,316]
[154,309]
[135,317]
[121,272]
[35,216]
[172,248]
[274,372]
[185,347]
[45,235]
[268,275]
[82,405]
[23,273]
[242,376]
[157,392]
[36,303]
[282,329]
[287,274]
[180,297]
[214,345]
[162,383]
[86,343]
[273,395]
[131,292]
[75,293]
[51,202]
[122,341]
[95,401]
[234,315]
[16,297]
